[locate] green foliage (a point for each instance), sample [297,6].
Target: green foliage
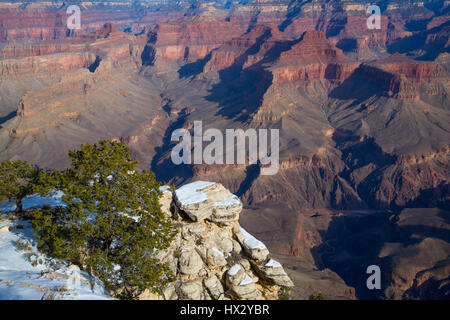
[319,296]
[112,224]
[16,181]
[284,293]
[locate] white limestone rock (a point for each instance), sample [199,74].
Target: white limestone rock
[273,272]
[255,248]
[190,262]
[208,200]
[211,256]
[215,257]
[215,287]
[241,284]
[166,200]
[191,291]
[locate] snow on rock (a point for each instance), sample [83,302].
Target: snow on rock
[251,241]
[228,202]
[208,200]
[255,248]
[27,274]
[273,264]
[241,285]
[247,280]
[4,226]
[234,270]
[273,272]
[212,256]
[166,199]
[191,193]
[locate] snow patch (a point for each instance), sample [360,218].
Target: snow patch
[228,202]
[251,242]
[27,274]
[247,280]
[234,269]
[165,189]
[218,251]
[188,193]
[273,264]
[32,201]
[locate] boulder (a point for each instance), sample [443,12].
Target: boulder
[241,284]
[273,272]
[166,200]
[235,275]
[245,264]
[227,210]
[215,257]
[225,245]
[214,287]
[237,249]
[190,262]
[208,200]
[255,248]
[191,290]
[211,252]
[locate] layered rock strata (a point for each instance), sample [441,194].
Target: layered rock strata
[212,256]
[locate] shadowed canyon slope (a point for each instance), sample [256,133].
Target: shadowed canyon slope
[363,117]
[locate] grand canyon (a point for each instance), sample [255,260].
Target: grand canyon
[363,116]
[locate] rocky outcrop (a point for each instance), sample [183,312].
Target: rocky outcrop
[416,71]
[46,21]
[213,257]
[261,42]
[68,54]
[191,40]
[49,63]
[400,77]
[312,58]
[208,200]
[347,20]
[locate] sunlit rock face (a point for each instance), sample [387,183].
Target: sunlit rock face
[213,258]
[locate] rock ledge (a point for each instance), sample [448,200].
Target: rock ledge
[212,256]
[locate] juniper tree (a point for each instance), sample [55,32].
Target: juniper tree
[112,223]
[16,181]
[319,296]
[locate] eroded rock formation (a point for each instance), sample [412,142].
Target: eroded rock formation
[213,257]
